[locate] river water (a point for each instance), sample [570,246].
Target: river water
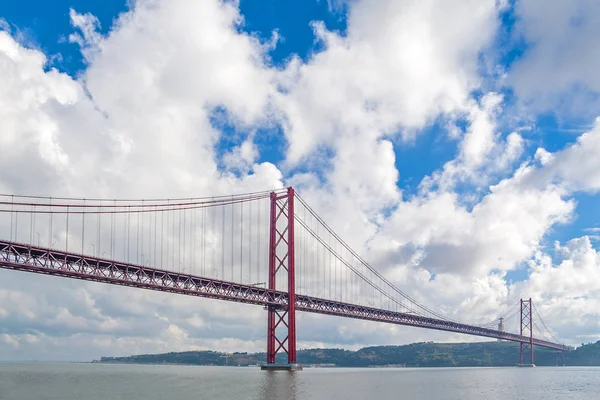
[148,382]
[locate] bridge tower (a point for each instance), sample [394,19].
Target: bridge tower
[281,334]
[526,349]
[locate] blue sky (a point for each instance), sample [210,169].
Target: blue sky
[447,142]
[46,25]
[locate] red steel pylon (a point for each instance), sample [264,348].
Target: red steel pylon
[281,257]
[526,328]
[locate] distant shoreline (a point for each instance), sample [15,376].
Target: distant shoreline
[416,355]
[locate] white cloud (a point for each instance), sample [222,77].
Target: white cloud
[151,123]
[242,157]
[89,39]
[4,25]
[578,165]
[568,293]
[483,152]
[558,72]
[391,72]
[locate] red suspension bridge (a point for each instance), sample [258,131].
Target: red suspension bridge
[264,248]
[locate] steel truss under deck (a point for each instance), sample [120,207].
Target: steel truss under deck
[23,257]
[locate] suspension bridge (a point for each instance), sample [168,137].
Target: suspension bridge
[268,248]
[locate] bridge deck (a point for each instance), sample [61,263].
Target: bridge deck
[23,257]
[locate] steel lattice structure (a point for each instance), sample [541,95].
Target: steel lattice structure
[526,330]
[281,260]
[24,257]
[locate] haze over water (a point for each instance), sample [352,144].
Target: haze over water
[137,382]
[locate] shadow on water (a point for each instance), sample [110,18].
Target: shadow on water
[279,385]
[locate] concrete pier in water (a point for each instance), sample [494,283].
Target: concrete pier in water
[281,367]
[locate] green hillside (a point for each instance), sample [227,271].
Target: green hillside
[412,355]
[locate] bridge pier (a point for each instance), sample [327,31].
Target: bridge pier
[281,367]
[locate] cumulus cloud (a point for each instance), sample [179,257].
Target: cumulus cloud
[558,72]
[484,152]
[392,72]
[577,166]
[567,291]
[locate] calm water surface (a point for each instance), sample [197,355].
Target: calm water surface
[137,382]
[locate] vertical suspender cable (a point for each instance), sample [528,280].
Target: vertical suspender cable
[214,245]
[304,260]
[83,229]
[184,237]
[315,259]
[232,245]
[223,241]
[137,240]
[99,253]
[12,207]
[141,227]
[162,238]
[34,217]
[193,240]
[335,282]
[113,222]
[258,240]
[204,241]
[128,231]
[67,237]
[173,237]
[250,243]
[50,217]
[16,226]
[169,236]
[155,223]
[329,264]
[179,242]
[189,236]
[241,240]
[124,239]
[31,225]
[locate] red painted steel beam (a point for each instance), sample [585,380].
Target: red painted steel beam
[23,257]
[291,274]
[330,307]
[281,237]
[272,311]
